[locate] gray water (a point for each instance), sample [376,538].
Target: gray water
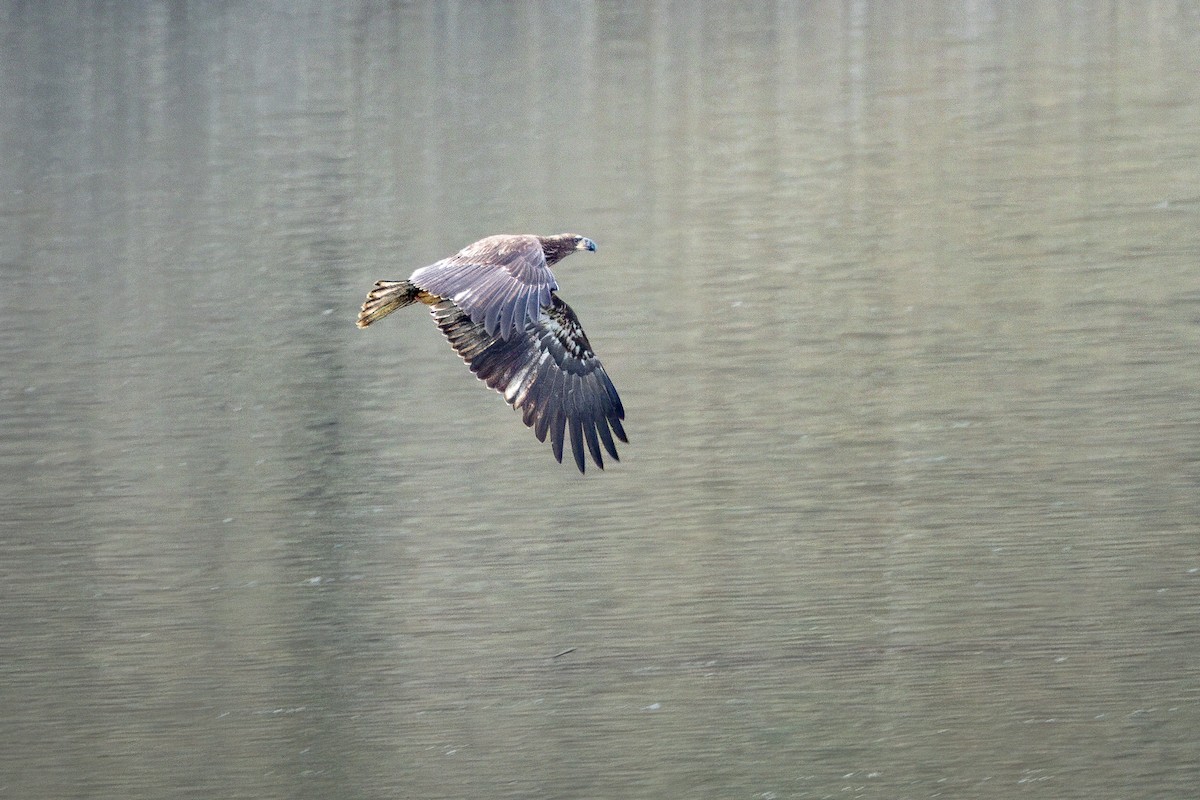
[903,301]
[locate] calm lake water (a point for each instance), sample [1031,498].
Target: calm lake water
[903,301]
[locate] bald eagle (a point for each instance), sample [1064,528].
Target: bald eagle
[495,302]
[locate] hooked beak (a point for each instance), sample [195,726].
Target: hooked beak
[586,244]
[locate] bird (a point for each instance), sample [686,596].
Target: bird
[496,302]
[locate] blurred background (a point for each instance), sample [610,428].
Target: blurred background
[903,302]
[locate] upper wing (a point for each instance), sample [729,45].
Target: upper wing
[501,281]
[549,372]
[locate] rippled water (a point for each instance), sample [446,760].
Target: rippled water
[903,303]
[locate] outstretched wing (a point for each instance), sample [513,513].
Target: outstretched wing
[501,282]
[548,372]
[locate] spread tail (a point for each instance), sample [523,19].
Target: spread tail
[385,298]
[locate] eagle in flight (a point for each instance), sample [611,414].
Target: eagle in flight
[495,302]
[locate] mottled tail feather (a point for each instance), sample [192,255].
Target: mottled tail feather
[385,298]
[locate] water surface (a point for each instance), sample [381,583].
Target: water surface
[903,303]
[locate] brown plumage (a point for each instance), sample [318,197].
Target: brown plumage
[495,302]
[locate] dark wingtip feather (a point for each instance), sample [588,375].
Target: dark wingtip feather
[606,437]
[589,432]
[577,443]
[557,426]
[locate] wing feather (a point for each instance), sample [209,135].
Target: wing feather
[558,421]
[593,443]
[548,372]
[609,444]
[542,404]
[501,281]
[549,389]
[617,429]
[577,441]
[540,425]
[533,306]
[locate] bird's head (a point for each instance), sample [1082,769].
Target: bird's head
[559,247]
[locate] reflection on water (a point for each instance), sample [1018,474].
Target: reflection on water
[902,302]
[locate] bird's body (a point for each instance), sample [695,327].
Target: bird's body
[495,302]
